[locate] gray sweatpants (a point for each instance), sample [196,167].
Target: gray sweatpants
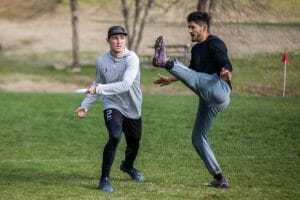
[214,97]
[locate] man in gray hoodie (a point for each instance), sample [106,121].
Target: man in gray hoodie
[118,84]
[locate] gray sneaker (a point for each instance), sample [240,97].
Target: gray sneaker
[219,184]
[133,173]
[104,185]
[160,57]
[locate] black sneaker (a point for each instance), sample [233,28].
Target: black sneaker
[133,173]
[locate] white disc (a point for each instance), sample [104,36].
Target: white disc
[82,90]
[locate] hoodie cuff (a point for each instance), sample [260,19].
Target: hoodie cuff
[99,89]
[84,107]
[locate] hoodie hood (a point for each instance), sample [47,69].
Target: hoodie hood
[124,55]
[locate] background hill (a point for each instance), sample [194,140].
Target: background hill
[37,26]
[38,32]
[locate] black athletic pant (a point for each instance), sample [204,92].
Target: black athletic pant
[116,123]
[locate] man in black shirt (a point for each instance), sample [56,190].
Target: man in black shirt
[209,76]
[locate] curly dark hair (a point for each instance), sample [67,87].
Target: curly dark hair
[199,17]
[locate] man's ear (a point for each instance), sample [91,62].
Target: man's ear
[205,28]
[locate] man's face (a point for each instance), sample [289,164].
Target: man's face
[117,43]
[197,31]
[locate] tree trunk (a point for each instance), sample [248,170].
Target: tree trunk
[136,22]
[75,41]
[210,9]
[142,25]
[201,5]
[135,28]
[125,12]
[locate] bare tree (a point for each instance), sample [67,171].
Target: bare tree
[212,8]
[201,5]
[135,22]
[75,41]
[232,10]
[135,29]
[209,6]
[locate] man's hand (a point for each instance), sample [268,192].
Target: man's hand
[92,89]
[80,112]
[225,74]
[163,80]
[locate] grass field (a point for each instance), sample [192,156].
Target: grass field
[47,153]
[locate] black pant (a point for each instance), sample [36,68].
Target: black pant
[116,123]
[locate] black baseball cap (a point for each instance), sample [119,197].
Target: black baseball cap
[116,30]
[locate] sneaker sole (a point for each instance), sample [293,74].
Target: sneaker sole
[157,47]
[107,190]
[213,186]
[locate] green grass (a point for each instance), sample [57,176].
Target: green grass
[263,75]
[47,153]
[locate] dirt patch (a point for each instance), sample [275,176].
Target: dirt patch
[34,83]
[29,86]
[53,33]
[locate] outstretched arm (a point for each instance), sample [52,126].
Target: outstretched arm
[90,98]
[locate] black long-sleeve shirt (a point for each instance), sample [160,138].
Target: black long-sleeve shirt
[210,56]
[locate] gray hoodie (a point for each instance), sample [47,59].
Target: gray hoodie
[118,83]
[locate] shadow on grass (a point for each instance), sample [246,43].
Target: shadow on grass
[12,176]
[24,175]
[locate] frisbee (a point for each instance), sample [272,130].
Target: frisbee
[82,90]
